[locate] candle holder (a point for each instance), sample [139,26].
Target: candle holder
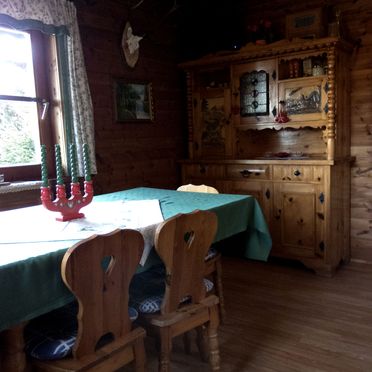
[69,208]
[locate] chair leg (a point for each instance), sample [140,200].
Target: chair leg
[187,342]
[139,355]
[12,357]
[157,343]
[165,350]
[202,343]
[214,353]
[218,282]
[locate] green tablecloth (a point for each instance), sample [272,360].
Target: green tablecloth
[33,286]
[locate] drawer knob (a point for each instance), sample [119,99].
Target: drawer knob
[297,173]
[267,194]
[322,246]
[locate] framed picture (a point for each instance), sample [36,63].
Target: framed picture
[305,99]
[308,24]
[133,101]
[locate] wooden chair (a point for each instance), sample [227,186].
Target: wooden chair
[213,267]
[98,271]
[182,243]
[198,188]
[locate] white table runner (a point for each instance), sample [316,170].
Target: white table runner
[25,233]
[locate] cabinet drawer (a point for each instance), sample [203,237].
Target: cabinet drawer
[249,171]
[294,173]
[203,170]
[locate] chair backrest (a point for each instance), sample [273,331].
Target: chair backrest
[198,188]
[98,271]
[182,243]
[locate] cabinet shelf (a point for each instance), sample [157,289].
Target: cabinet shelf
[303,78]
[316,160]
[320,124]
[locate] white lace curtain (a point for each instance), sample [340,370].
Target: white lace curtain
[63,13]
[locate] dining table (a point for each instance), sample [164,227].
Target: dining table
[33,242]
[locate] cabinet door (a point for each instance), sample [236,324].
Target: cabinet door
[259,189]
[211,118]
[298,220]
[254,93]
[305,99]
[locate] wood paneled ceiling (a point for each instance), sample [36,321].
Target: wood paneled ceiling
[194,27]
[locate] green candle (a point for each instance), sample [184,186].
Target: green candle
[73,164]
[87,174]
[44,169]
[57,151]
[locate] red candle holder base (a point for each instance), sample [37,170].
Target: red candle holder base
[68,208]
[70,216]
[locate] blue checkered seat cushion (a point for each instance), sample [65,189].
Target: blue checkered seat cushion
[53,335]
[147,290]
[211,254]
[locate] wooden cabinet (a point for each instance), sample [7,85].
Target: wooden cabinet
[286,141]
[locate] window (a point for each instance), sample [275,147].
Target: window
[24,102]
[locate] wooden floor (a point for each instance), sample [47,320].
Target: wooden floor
[282,317]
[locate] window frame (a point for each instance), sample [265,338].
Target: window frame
[43,51]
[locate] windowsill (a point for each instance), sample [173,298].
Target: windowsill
[20,186]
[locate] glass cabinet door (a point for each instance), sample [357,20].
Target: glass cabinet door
[254,93]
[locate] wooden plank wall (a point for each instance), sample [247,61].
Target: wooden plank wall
[357,20]
[132,154]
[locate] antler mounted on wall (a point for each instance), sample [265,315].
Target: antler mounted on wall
[130,41]
[130,45]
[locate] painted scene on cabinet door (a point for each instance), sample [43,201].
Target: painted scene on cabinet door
[213,121]
[303,100]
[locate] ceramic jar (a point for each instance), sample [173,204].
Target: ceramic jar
[318,70]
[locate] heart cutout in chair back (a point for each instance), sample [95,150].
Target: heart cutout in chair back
[189,237]
[107,264]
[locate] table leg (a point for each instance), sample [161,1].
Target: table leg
[12,355]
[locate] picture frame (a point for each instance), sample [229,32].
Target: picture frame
[309,24]
[305,99]
[133,101]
